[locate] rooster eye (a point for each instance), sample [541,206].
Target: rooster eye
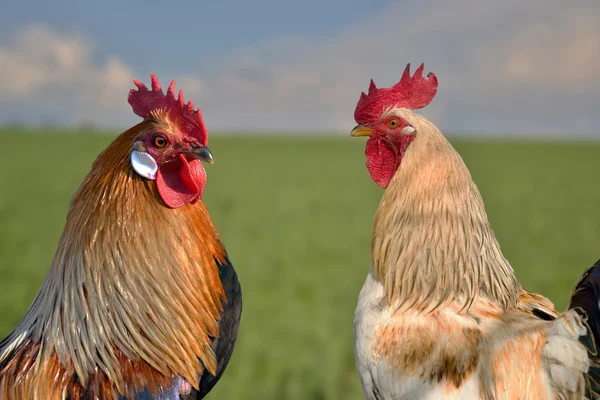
[159,141]
[392,123]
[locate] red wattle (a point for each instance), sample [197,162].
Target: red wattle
[382,160]
[180,182]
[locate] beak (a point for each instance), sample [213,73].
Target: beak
[361,130]
[202,154]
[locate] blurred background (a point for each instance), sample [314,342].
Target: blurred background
[519,96]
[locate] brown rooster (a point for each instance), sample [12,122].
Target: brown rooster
[141,300]
[442,314]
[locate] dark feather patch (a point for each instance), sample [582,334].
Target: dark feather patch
[584,299]
[229,324]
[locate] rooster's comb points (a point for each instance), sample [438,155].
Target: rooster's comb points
[411,92]
[187,120]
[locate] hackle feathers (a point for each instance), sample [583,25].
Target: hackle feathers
[432,242]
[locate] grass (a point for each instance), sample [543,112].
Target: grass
[296,216]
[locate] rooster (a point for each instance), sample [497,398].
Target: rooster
[442,314]
[141,300]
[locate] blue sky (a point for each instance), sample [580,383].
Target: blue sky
[508,67]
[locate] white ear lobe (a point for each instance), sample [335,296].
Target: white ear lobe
[407,130]
[144,164]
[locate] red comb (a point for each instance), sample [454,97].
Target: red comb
[411,92]
[183,116]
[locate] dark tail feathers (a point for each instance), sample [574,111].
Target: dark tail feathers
[584,299]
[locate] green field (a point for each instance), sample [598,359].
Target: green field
[295,215]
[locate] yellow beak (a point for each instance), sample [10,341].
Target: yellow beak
[361,130]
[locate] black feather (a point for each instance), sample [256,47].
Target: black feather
[584,299]
[230,321]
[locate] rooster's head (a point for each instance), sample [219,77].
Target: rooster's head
[171,148]
[382,115]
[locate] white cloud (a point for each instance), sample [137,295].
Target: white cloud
[507,66]
[503,66]
[44,68]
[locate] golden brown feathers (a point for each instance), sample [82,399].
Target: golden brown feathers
[132,297]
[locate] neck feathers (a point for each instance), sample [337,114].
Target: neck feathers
[133,295]
[432,243]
